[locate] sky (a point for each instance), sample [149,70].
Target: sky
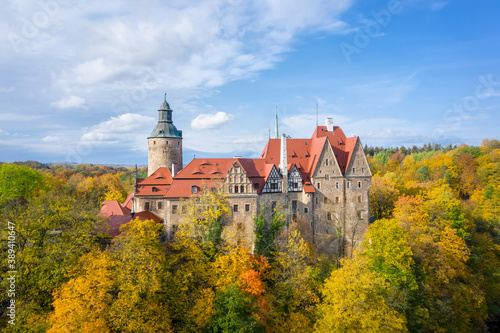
[81,81]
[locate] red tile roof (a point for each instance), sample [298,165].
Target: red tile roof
[115,221]
[112,207]
[128,202]
[304,153]
[156,184]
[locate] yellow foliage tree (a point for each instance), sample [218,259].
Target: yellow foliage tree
[383,195]
[354,301]
[82,304]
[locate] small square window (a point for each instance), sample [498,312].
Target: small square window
[337,185]
[353,170]
[247,207]
[362,170]
[359,184]
[159,204]
[235,208]
[146,206]
[174,209]
[306,210]
[318,186]
[348,184]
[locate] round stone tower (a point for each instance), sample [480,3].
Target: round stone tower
[165,143]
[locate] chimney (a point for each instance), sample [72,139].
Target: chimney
[284,165]
[329,124]
[173,169]
[283,162]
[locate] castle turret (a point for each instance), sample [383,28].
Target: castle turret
[165,143]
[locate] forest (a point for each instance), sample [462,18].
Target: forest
[429,263]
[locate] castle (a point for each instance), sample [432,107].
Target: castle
[325,179]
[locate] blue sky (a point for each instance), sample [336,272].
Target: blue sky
[82,80]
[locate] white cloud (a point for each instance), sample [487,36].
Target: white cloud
[7,90]
[203,44]
[3,132]
[128,131]
[208,121]
[69,102]
[51,138]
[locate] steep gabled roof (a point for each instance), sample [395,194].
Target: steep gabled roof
[128,202]
[115,221]
[204,168]
[162,176]
[156,184]
[350,145]
[112,207]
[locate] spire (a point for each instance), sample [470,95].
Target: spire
[135,185]
[165,127]
[276,132]
[132,211]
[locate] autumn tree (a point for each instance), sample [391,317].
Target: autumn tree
[140,279]
[437,233]
[53,229]
[82,304]
[118,289]
[18,182]
[267,233]
[354,300]
[295,292]
[233,312]
[205,218]
[383,195]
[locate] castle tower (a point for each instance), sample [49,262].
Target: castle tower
[165,143]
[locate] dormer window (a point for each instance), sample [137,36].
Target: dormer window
[154,189]
[194,189]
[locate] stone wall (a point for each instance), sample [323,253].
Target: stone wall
[162,152]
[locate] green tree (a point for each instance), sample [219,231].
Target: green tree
[19,182]
[233,312]
[266,235]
